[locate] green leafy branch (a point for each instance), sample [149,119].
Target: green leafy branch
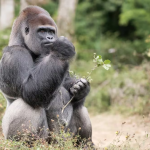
[98,61]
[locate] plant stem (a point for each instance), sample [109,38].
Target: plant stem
[67,104]
[73,96]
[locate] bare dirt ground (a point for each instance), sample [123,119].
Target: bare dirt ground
[134,128]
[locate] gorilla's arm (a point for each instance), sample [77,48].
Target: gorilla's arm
[35,83]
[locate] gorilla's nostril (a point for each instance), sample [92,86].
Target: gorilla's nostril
[49,38]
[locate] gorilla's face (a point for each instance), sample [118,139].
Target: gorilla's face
[40,34]
[46,34]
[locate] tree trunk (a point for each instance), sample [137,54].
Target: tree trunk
[6,13]
[66,14]
[25,3]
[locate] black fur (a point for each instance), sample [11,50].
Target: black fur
[35,81]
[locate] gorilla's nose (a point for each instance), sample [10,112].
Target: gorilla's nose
[50,38]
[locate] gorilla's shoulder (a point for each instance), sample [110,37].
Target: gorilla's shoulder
[15,49]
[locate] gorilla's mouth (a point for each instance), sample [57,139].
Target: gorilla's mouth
[47,43]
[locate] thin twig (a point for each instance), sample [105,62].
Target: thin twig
[67,104]
[87,79]
[98,62]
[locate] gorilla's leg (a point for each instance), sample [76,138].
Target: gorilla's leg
[80,124]
[55,117]
[20,117]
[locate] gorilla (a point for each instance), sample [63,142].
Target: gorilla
[35,80]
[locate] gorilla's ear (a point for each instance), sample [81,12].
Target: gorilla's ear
[26,30]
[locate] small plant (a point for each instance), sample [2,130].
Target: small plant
[98,61]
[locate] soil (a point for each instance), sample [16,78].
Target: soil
[116,129]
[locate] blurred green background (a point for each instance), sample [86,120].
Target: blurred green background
[118,30]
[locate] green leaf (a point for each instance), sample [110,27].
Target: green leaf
[107,62]
[100,61]
[106,66]
[100,57]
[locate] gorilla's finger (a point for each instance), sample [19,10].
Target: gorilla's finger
[76,86]
[84,81]
[81,84]
[77,81]
[73,91]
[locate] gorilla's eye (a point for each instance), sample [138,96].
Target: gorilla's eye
[52,31]
[26,30]
[42,31]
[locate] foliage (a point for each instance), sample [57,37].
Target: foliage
[105,24]
[122,140]
[138,12]
[98,61]
[17,7]
[117,90]
[4,36]
[52,7]
[117,50]
[2,107]
[62,140]
[102,25]
[91,21]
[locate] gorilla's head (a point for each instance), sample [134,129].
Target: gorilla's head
[34,29]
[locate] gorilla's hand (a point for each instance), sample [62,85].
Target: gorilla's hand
[80,89]
[63,48]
